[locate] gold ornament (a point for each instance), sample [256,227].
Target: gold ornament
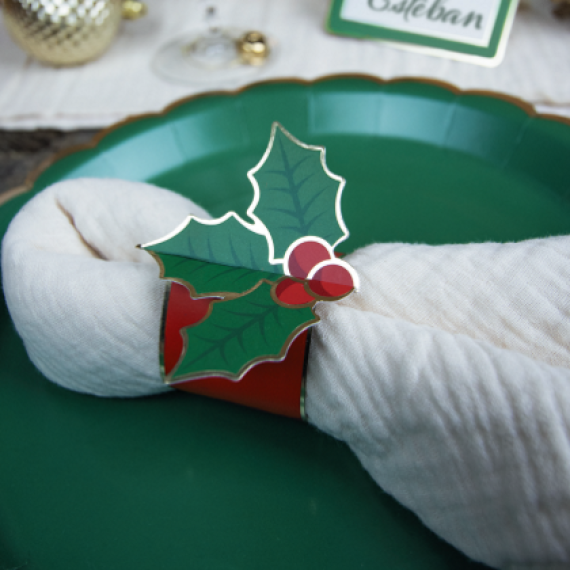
[253,48]
[66,32]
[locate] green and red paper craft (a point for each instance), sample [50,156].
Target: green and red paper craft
[242,293]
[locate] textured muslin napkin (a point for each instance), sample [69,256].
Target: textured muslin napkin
[448,373]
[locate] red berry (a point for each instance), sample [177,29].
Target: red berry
[292,293]
[182,311]
[331,281]
[305,256]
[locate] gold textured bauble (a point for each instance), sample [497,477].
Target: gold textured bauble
[63,32]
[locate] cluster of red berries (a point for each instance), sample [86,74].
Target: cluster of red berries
[324,276]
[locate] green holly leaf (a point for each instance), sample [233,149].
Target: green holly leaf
[215,256]
[204,278]
[295,194]
[240,332]
[241,263]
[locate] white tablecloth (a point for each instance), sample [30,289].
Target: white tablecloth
[121,83]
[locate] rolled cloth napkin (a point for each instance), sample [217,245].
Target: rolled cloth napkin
[448,373]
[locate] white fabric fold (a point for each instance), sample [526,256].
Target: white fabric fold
[86,302]
[514,295]
[473,438]
[448,374]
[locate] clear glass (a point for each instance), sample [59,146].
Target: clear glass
[214,54]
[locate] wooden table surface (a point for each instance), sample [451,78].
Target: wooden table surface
[23,151]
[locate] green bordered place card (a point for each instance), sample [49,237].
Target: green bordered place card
[471,30]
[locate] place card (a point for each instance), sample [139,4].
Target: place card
[469,30]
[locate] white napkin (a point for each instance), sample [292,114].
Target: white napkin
[448,374]
[449,377]
[86,302]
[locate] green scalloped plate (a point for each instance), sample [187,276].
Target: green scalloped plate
[180,481]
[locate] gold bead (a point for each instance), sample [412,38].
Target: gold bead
[134,10]
[253,48]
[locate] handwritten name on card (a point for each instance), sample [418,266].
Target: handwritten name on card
[467,30]
[467,21]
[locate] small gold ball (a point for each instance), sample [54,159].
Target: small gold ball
[253,48]
[134,10]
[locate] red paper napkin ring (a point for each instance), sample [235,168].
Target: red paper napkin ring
[275,387]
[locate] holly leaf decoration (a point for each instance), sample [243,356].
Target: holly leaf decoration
[221,257]
[205,279]
[239,333]
[264,277]
[295,194]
